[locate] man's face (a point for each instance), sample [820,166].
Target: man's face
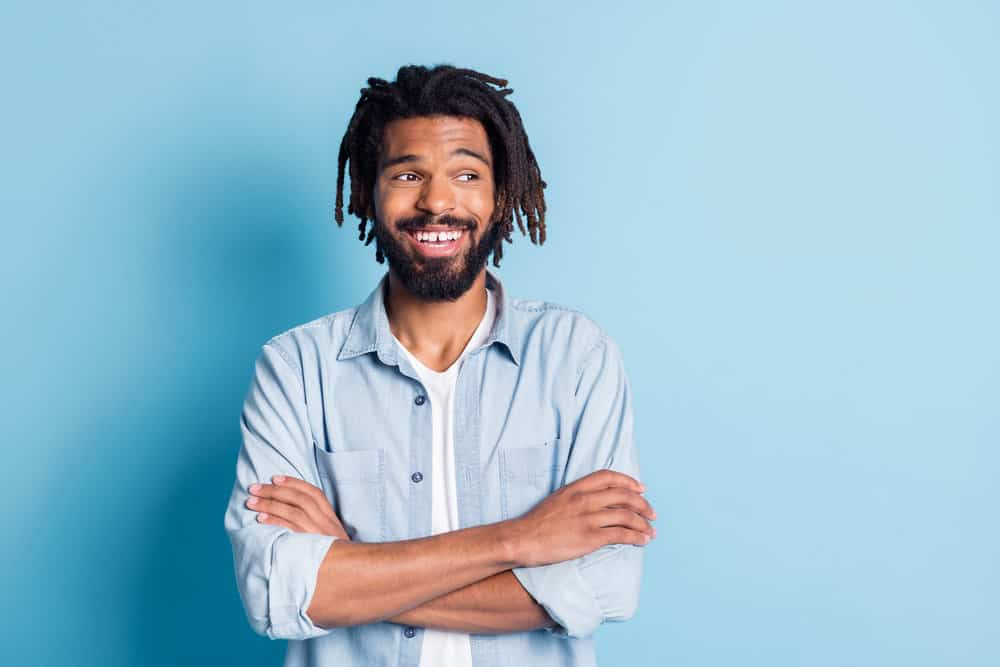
[435,178]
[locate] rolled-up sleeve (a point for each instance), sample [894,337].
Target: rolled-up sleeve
[582,593]
[275,568]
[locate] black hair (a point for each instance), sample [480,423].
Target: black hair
[449,91]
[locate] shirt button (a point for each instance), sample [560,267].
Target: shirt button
[419,400]
[417,477]
[409,632]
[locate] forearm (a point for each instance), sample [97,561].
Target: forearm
[497,604]
[360,583]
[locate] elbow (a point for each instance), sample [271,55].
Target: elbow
[273,581]
[264,628]
[620,602]
[624,604]
[285,633]
[611,606]
[262,625]
[286,628]
[624,609]
[286,622]
[583,594]
[278,624]
[615,608]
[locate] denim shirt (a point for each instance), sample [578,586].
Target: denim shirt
[542,402]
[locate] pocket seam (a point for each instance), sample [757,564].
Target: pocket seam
[363,474]
[367,466]
[507,457]
[510,478]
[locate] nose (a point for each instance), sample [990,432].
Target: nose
[436,197]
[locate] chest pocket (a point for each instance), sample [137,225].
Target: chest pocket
[527,476]
[354,483]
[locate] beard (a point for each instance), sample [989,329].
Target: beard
[436,278]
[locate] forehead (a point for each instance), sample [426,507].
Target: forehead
[430,136]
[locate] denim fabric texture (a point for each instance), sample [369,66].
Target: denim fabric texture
[542,402]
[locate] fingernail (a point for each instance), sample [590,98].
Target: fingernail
[262,517]
[642,487]
[252,501]
[646,538]
[255,488]
[278,479]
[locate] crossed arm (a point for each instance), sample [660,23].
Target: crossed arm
[497,603]
[573,565]
[461,580]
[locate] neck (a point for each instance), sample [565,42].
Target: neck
[435,332]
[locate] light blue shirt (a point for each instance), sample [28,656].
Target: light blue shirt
[542,402]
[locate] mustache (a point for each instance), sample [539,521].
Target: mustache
[416,222]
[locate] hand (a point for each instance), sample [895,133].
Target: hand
[295,504]
[605,507]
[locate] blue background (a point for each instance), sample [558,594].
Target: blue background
[786,214]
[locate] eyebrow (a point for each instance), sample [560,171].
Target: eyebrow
[401,159]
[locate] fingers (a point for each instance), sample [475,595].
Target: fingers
[619,535]
[315,495]
[622,518]
[277,513]
[271,520]
[288,502]
[602,479]
[621,497]
[296,493]
[295,504]
[269,507]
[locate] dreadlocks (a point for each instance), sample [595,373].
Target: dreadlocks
[450,91]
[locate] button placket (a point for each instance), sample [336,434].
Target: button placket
[418,477]
[419,505]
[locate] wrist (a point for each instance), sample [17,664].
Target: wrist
[510,537]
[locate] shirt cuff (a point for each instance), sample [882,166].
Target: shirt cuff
[563,592]
[295,562]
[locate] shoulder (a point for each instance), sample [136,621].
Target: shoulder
[559,332]
[311,341]
[557,320]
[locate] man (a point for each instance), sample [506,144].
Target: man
[443,475]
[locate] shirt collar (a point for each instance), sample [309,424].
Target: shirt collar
[370,332]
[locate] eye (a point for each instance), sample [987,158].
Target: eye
[471,177]
[407,176]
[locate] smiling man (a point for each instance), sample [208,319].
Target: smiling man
[443,475]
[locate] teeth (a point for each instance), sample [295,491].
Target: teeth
[435,237]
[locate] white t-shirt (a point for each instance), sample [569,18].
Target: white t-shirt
[441,647]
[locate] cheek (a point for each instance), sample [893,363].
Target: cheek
[391,204]
[480,203]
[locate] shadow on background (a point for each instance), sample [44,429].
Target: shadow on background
[229,253]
